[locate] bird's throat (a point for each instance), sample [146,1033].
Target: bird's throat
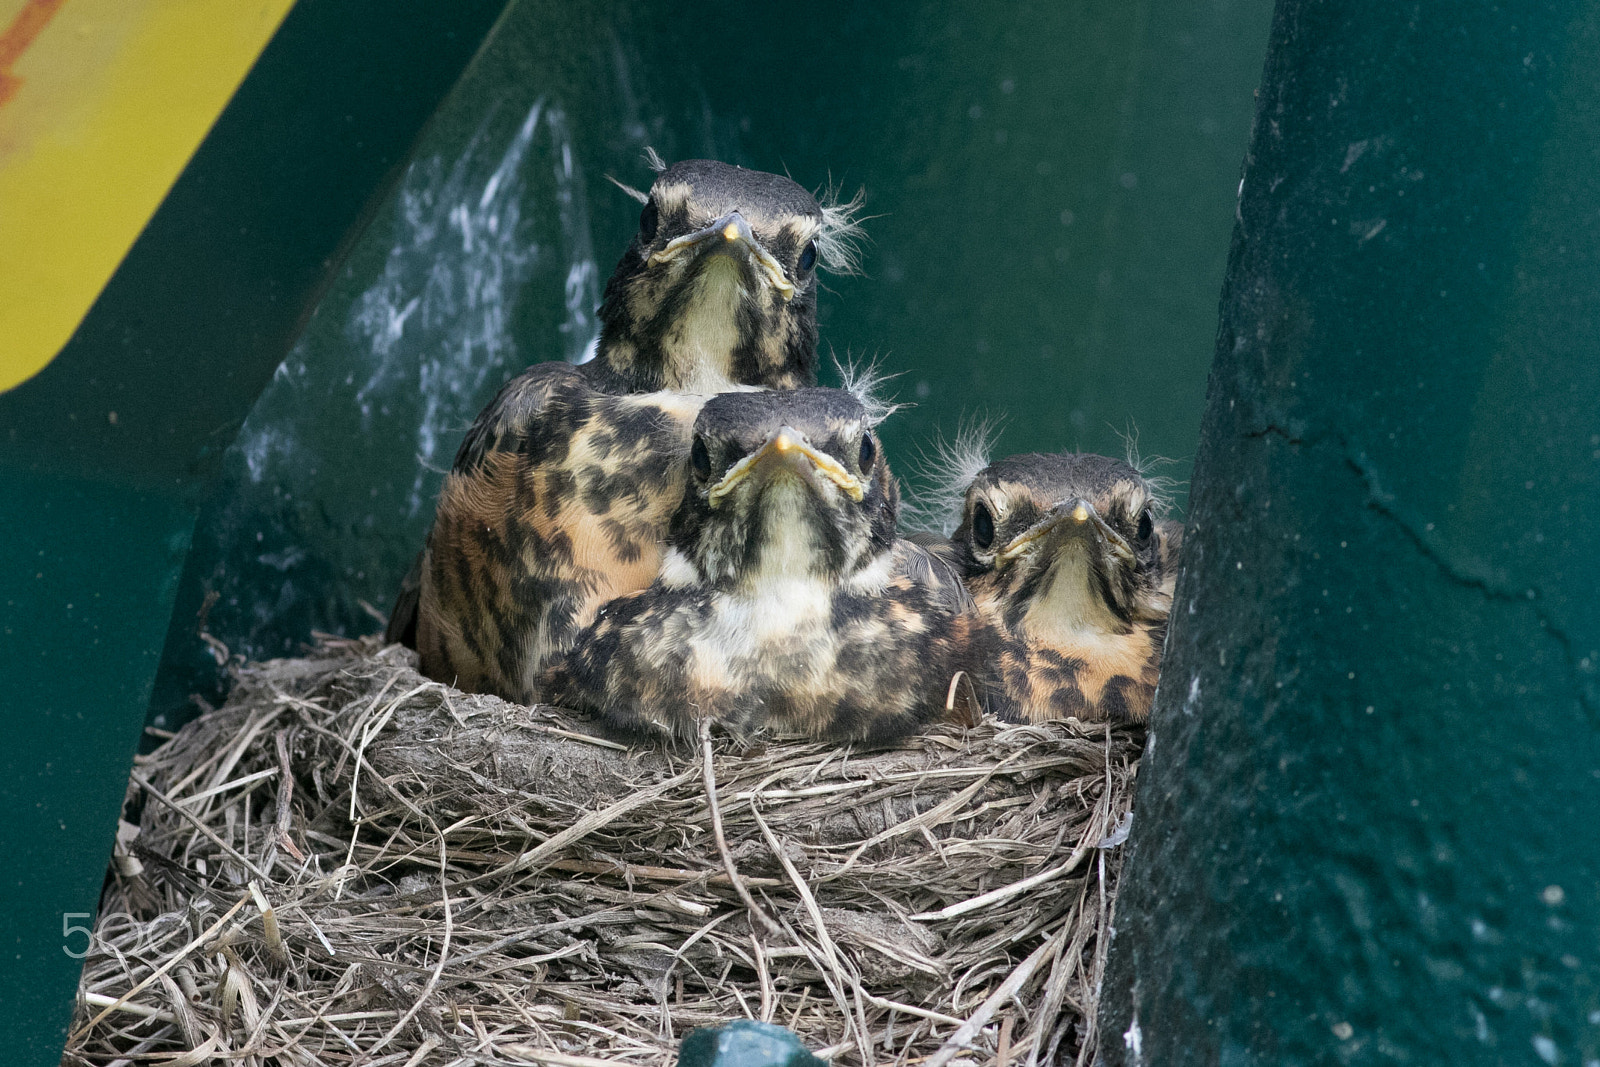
[786,546]
[782,588]
[1068,608]
[698,350]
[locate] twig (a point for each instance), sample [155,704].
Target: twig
[559,1059]
[100,1000]
[581,829]
[269,927]
[444,951]
[198,825]
[722,842]
[285,782]
[959,1041]
[824,938]
[1006,892]
[248,779]
[763,978]
[430,1043]
[635,872]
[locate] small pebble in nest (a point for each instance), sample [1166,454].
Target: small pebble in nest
[1072,566]
[786,601]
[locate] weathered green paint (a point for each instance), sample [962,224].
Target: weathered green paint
[99,507]
[1368,830]
[1053,185]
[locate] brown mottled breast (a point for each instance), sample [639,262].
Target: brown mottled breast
[1030,681]
[556,503]
[869,660]
[1094,677]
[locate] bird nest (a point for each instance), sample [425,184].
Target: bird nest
[350,864]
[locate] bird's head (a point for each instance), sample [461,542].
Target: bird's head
[784,485]
[719,286]
[1070,544]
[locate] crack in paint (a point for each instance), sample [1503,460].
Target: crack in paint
[1467,576]
[1383,502]
[1272,429]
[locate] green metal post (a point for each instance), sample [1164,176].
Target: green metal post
[1368,828]
[105,453]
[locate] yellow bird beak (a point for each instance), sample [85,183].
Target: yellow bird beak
[735,232]
[789,446]
[1080,520]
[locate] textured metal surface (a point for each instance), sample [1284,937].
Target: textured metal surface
[104,453]
[1367,828]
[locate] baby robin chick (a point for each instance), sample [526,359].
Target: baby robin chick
[562,488]
[785,600]
[557,502]
[719,286]
[1072,567]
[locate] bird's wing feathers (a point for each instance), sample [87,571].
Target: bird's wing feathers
[509,415]
[402,627]
[930,561]
[1171,545]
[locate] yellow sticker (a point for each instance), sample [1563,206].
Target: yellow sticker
[102,102]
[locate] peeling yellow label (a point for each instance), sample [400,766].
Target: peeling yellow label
[102,102]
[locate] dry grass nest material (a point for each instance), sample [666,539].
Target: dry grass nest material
[350,864]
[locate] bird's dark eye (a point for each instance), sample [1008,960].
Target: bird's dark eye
[982,526]
[648,220]
[808,257]
[700,458]
[869,453]
[1147,527]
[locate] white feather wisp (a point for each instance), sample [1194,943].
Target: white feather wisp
[945,471]
[866,381]
[1158,486]
[839,241]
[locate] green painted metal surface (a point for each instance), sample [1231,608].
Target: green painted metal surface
[98,509]
[1368,830]
[1053,184]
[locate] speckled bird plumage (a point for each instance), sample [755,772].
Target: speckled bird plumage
[786,602]
[556,503]
[1072,566]
[719,285]
[560,495]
